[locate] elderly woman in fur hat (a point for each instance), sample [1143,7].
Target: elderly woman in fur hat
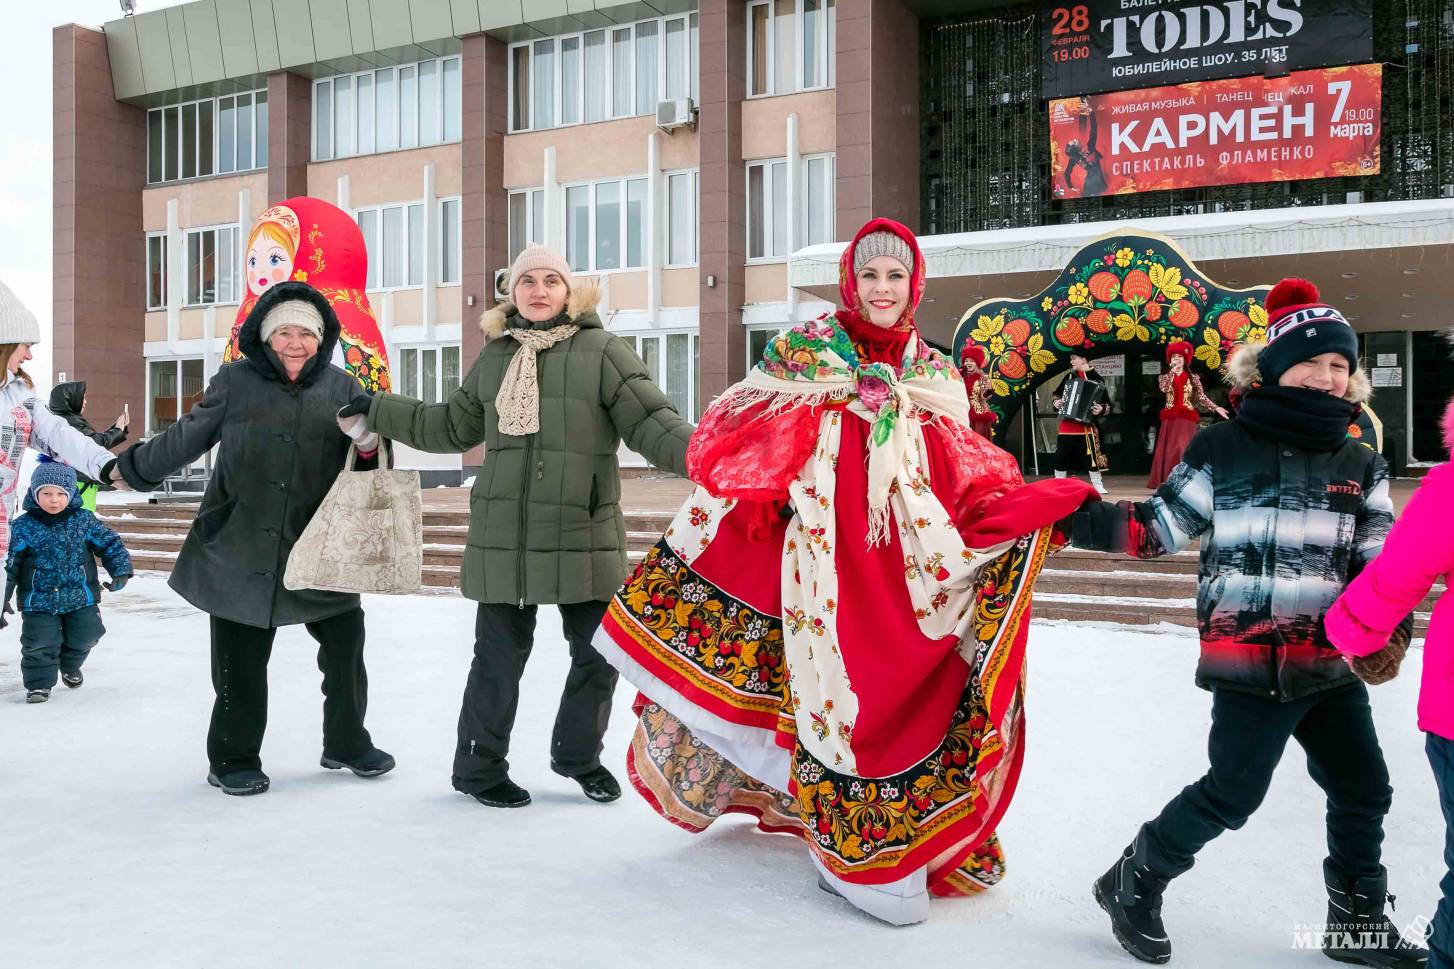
[551,396]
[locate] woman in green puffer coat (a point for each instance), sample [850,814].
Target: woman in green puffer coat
[551,396]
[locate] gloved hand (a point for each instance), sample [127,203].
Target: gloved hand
[9,610]
[111,475]
[116,584]
[1382,666]
[353,421]
[359,405]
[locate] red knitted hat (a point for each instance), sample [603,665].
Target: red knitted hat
[1180,348]
[975,352]
[1300,327]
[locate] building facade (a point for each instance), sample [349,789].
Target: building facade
[704,160]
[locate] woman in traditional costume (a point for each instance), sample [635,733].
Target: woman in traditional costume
[972,361]
[1180,418]
[831,634]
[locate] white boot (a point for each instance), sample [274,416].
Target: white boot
[1097,483]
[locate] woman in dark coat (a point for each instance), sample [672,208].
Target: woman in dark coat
[68,401]
[272,413]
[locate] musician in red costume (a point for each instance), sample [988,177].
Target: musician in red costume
[1078,443]
[831,635]
[1180,418]
[972,361]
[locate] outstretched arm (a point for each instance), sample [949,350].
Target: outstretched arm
[1167,522]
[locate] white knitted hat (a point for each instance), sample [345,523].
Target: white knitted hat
[17,324]
[538,257]
[293,312]
[881,243]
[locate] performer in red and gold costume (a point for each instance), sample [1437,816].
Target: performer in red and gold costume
[311,241]
[831,635]
[1180,419]
[972,361]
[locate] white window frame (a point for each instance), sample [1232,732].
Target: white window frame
[657,367]
[238,279]
[418,350]
[591,223]
[773,331]
[769,254]
[691,28]
[443,223]
[534,216]
[826,42]
[323,84]
[176,363]
[695,221]
[798,196]
[376,251]
[830,199]
[166,271]
[258,138]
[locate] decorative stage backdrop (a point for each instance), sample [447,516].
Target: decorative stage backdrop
[1123,290]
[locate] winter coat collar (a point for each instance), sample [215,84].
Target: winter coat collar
[68,398]
[262,358]
[580,309]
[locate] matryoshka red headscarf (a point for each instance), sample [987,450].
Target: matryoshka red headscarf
[311,241]
[878,344]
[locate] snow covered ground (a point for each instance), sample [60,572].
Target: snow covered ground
[114,852]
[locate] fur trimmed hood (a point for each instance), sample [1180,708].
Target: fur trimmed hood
[580,306]
[1241,373]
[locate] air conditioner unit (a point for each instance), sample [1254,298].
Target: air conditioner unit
[676,113]
[502,284]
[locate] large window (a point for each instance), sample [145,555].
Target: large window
[757,340]
[681,219]
[394,238]
[673,361]
[404,106]
[768,211]
[156,270]
[213,136]
[212,266]
[790,46]
[605,225]
[449,242]
[527,219]
[173,388]
[429,374]
[596,75]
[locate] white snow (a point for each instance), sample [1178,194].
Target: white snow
[115,852]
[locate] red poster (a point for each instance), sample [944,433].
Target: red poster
[1308,124]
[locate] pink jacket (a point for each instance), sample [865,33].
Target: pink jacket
[1418,550]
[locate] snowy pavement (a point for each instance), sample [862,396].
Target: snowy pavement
[114,852]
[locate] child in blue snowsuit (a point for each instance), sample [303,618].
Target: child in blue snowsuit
[52,564]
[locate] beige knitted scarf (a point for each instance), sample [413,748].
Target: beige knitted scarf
[518,400]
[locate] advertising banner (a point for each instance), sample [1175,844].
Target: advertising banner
[1112,45]
[1311,124]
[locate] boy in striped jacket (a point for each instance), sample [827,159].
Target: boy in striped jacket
[1288,509]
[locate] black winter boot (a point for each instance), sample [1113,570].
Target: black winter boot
[371,763]
[240,783]
[506,794]
[1130,893]
[1358,931]
[597,784]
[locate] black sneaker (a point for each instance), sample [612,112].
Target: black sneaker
[1130,893]
[371,763]
[597,784]
[506,794]
[240,783]
[1358,932]
[37,696]
[72,679]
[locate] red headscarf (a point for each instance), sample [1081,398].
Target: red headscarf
[311,241]
[882,345]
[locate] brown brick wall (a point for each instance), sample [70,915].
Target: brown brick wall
[99,249]
[290,135]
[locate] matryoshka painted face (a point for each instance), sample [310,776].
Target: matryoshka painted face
[268,263]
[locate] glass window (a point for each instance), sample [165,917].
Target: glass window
[386,110]
[171,120]
[678,372]
[570,80]
[543,109]
[227,262]
[192,385]
[448,371]
[676,58]
[812,25]
[608,225]
[244,127]
[622,101]
[520,75]
[408,107]
[366,140]
[429,102]
[818,207]
[519,219]
[162,378]
[537,216]
[342,117]
[416,244]
[832,56]
[392,244]
[696,414]
[598,90]
[156,272]
[646,67]
[781,215]
[636,222]
[154,147]
[226,135]
[429,380]
[452,111]
[651,356]
[323,120]
[194,268]
[783,24]
[694,65]
[368,225]
[758,65]
[205,135]
[209,266]
[189,141]
[756,210]
[409,368]
[578,226]
[757,341]
[449,242]
[681,219]
[260,119]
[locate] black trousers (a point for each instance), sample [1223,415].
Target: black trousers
[49,644]
[504,635]
[1247,739]
[1441,943]
[240,680]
